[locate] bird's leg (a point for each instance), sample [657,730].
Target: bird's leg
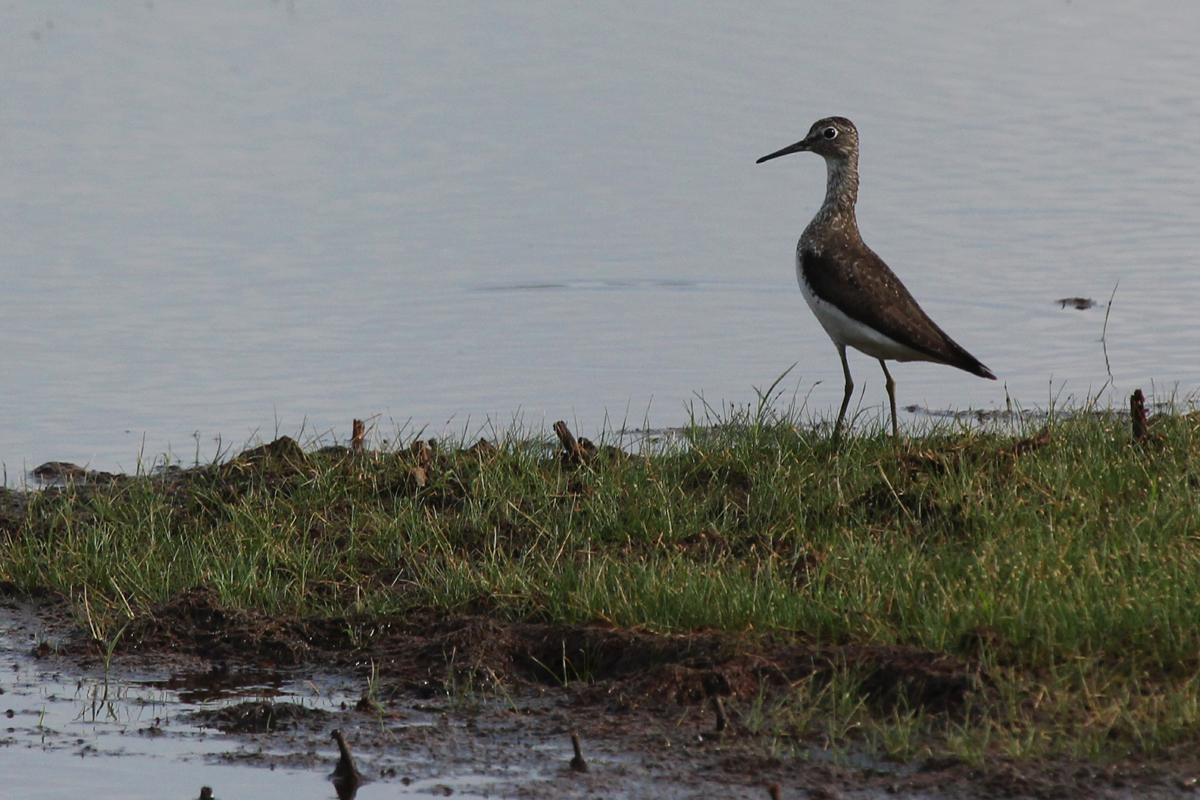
[891,387]
[837,429]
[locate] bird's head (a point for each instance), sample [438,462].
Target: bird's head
[832,137]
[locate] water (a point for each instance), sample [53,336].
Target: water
[228,220]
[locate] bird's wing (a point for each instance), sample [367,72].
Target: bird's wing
[860,284]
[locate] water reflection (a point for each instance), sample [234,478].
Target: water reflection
[220,682]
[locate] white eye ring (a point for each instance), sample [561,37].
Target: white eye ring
[830,133]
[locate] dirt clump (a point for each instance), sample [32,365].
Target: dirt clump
[195,622]
[62,473]
[256,716]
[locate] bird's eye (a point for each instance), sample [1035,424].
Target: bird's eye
[829,133]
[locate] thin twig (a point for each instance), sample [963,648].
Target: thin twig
[1104,333]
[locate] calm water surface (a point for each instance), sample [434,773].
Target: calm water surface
[231,219]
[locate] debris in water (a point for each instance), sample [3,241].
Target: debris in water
[1137,414]
[577,763]
[575,452]
[719,707]
[1077,303]
[346,776]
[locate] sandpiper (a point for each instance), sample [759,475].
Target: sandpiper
[856,298]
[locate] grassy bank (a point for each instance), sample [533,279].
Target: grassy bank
[1065,557]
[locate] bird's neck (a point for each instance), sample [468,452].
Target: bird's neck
[841,188]
[835,221]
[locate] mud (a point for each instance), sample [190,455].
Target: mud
[257,716]
[429,656]
[478,707]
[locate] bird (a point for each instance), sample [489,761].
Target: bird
[857,299]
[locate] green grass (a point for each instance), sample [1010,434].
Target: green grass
[1071,563]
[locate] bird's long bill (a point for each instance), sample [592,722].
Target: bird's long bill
[798,147]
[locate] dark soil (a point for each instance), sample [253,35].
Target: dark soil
[428,655]
[256,716]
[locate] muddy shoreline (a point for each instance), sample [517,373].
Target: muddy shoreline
[439,549]
[480,707]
